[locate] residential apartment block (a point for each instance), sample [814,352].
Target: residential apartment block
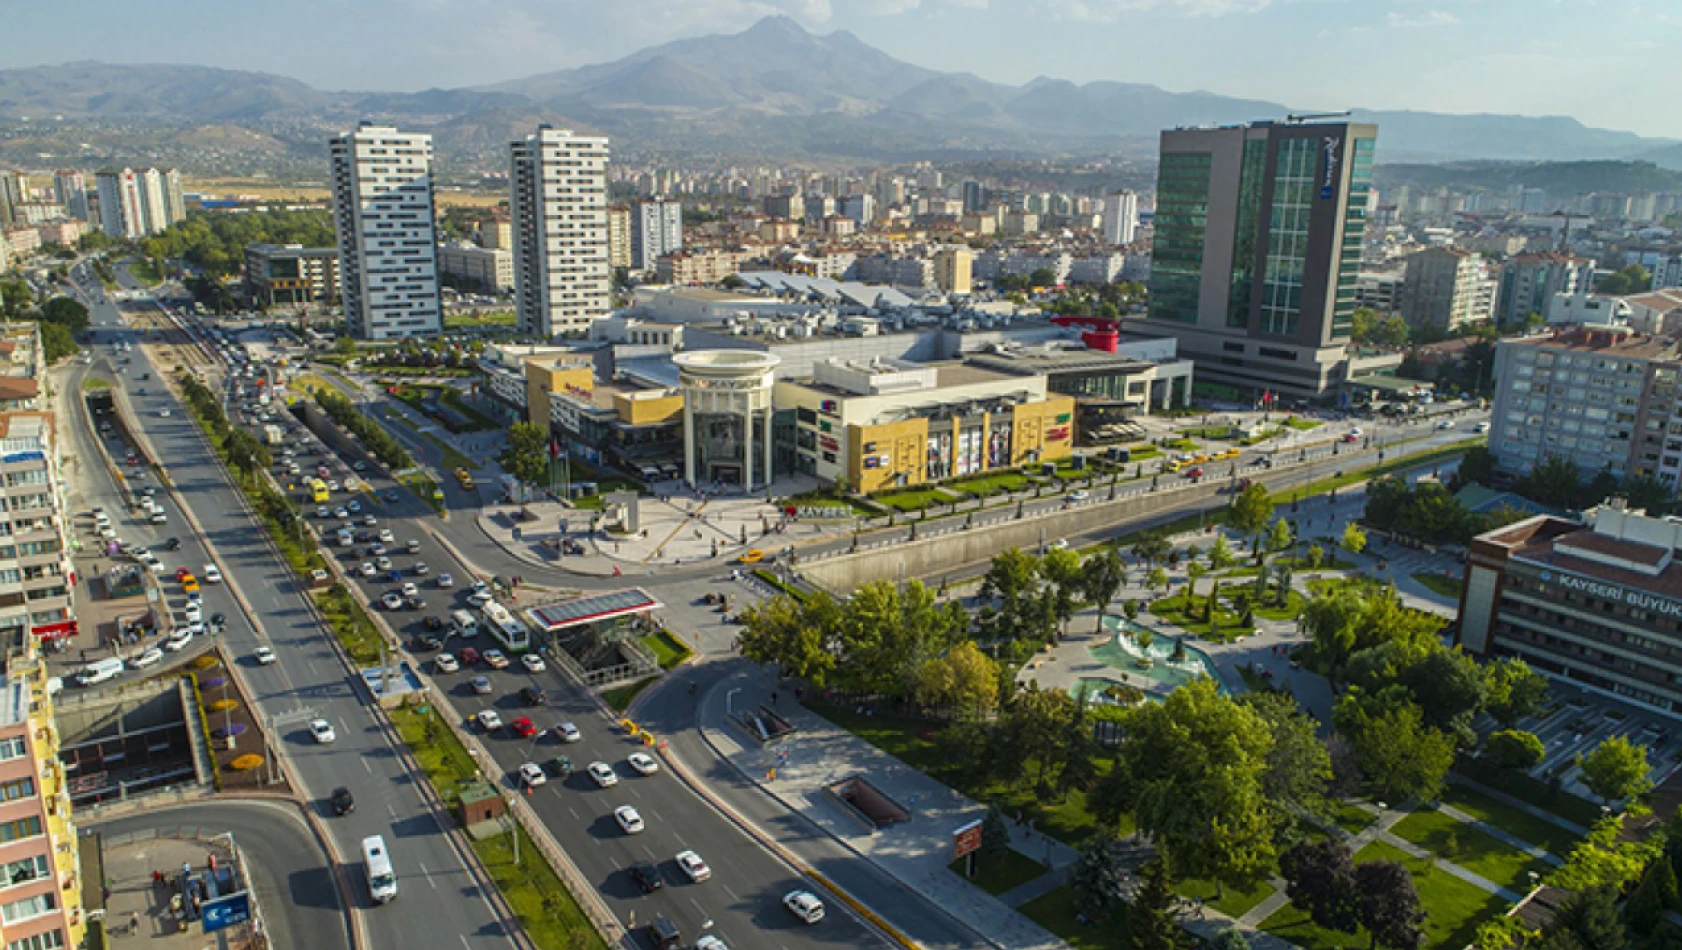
[483,269]
[388,245]
[698,266]
[1530,281]
[136,203]
[42,883]
[1445,287]
[562,278]
[656,230]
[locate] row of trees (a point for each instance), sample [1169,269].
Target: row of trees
[215,243]
[60,318]
[376,438]
[1557,482]
[245,453]
[1030,598]
[1428,512]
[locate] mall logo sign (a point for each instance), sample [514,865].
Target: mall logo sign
[1639,600]
[1329,147]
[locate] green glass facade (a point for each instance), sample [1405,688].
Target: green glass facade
[1354,233]
[1250,177]
[1182,216]
[1287,235]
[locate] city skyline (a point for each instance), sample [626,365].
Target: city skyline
[1378,54]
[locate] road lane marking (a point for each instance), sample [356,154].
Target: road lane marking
[733,895]
[366,767]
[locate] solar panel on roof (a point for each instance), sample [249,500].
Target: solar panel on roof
[597,607]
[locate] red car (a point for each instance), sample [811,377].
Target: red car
[1194,473]
[468,656]
[181,574]
[523,728]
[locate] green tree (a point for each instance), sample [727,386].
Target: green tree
[1194,573]
[963,680]
[245,454]
[1446,684]
[794,634]
[1591,918]
[1298,765]
[1158,578]
[1616,769]
[1013,582]
[345,346]
[1103,575]
[67,312]
[1656,894]
[1554,482]
[1516,749]
[1399,754]
[527,455]
[1038,720]
[1152,922]
[57,342]
[1646,493]
[1098,878]
[1232,938]
[1221,556]
[1320,880]
[1251,509]
[1061,568]
[1280,537]
[1477,467]
[1193,769]
[995,836]
[1354,539]
[1316,556]
[1513,690]
[1389,905]
[1151,547]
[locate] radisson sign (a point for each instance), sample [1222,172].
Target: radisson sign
[1640,600]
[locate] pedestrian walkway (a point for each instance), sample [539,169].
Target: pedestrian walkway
[916,852]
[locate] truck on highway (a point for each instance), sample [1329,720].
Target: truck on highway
[274,435]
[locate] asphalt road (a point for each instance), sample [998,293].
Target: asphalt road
[289,875]
[439,894]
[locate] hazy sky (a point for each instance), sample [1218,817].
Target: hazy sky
[1607,62]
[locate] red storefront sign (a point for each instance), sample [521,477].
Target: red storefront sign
[55,631]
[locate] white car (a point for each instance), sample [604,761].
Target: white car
[710,942]
[603,774]
[340,514]
[421,570]
[479,599]
[212,574]
[568,732]
[323,731]
[1446,424]
[178,641]
[264,656]
[446,581]
[489,720]
[495,659]
[410,590]
[446,663]
[163,413]
[1080,495]
[369,570]
[482,685]
[643,763]
[1481,427]
[392,600]
[531,775]
[194,612]
[149,658]
[805,905]
[693,866]
[386,537]
[196,627]
[324,513]
[532,662]
[629,821]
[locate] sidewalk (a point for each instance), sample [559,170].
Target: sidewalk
[916,852]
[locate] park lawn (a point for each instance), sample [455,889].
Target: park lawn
[1514,821]
[1352,818]
[1057,912]
[1454,909]
[548,912]
[1473,849]
[620,697]
[912,741]
[1180,445]
[1234,903]
[146,272]
[1173,609]
[914,499]
[991,484]
[1287,611]
[1533,791]
[94,382]
[995,876]
[667,649]
[1143,452]
[1207,432]
[1303,425]
[1446,586]
[498,318]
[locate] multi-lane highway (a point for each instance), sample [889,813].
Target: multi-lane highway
[439,893]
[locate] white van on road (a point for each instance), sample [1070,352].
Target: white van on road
[382,880]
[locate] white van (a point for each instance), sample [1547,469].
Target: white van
[463,624]
[99,671]
[382,880]
[158,516]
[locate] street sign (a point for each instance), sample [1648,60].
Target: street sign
[225,912]
[966,839]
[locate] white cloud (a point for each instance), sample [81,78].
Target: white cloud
[1105,11]
[1425,18]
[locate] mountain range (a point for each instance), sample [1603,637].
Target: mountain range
[774,89]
